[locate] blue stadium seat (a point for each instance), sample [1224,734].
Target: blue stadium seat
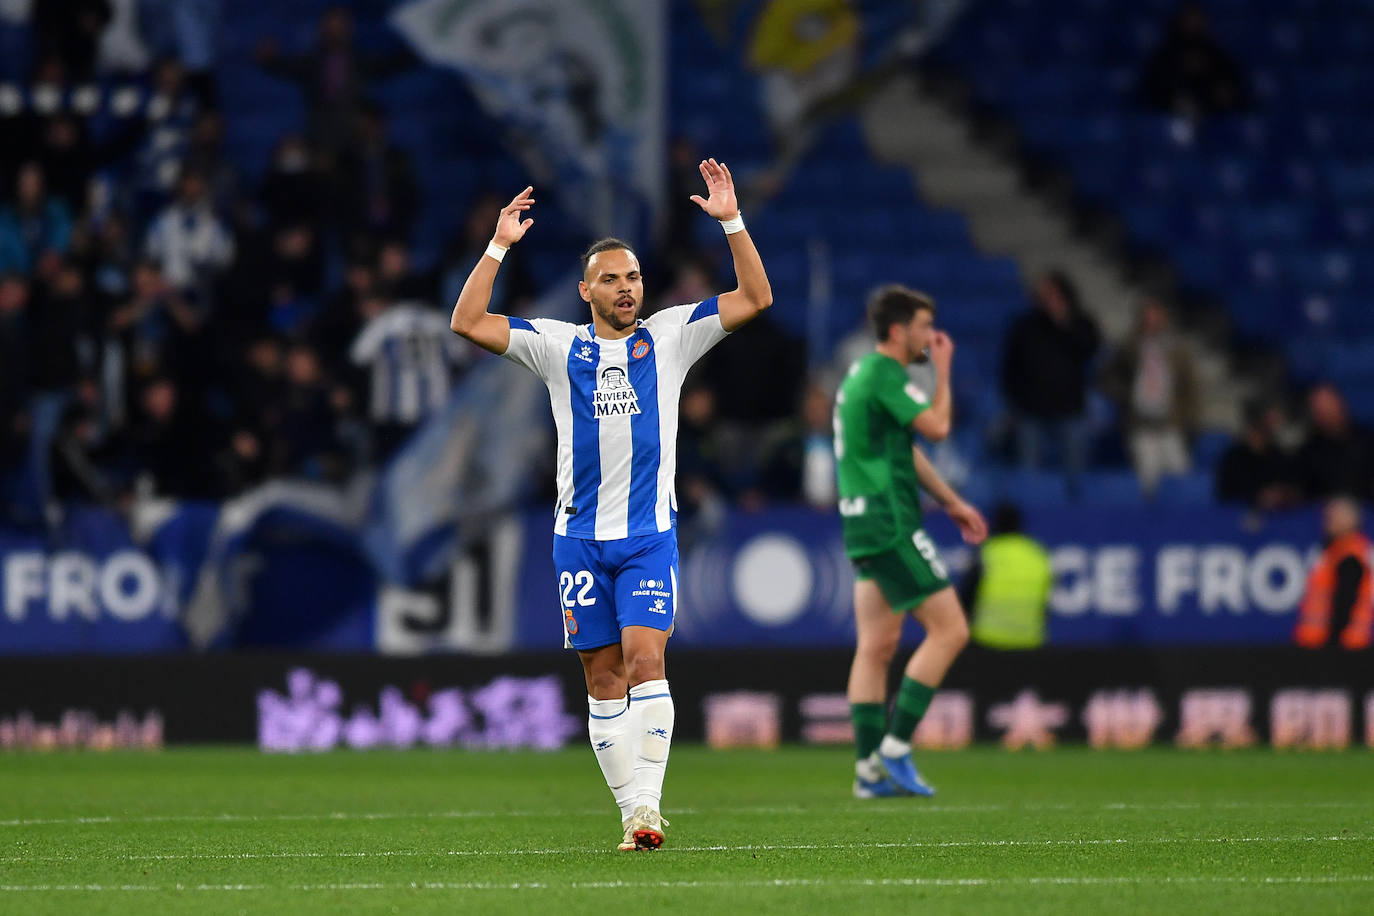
[1192,489]
[1111,489]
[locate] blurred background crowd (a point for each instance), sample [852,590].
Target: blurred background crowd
[229,245]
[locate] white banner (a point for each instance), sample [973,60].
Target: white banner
[579,83]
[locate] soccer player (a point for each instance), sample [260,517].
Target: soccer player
[897,568]
[614,384]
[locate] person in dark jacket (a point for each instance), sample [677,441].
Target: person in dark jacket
[1190,73]
[1337,456]
[334,77]
[1254,470]
[1045,368]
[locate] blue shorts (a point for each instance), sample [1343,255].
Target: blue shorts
[605,586]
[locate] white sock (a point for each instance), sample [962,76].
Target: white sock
[894,747]
[653,708]
[868,769]
[608,725]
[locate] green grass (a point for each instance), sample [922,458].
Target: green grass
[212,830]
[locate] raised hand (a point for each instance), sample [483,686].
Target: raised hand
[972,526]
[509,227]
[941,350]
[720,185]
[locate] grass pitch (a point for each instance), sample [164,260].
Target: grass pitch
[1072,830]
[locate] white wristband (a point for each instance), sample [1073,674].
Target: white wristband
[731,226]
[496,251]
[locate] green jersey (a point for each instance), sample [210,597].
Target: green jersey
[880,500]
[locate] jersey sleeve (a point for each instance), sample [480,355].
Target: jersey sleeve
[368,342]
[901,397]
[529,344]
[699,324]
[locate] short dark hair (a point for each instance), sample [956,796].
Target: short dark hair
[606,244]
[1006,519]
[895,304]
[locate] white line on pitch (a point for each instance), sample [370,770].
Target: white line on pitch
[1049,881]
[902,807]
[752,847]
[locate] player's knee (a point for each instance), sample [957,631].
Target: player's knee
[879,649]
[606,685]
[644,666]
[954,633]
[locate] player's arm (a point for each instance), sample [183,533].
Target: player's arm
[470,316]
[935,421]
[970,521]
[753,294]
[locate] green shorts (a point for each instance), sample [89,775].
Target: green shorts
[907,574]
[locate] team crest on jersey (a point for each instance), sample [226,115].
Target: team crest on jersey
[614,395]
[641,348]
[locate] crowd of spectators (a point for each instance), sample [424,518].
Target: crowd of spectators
[168,327]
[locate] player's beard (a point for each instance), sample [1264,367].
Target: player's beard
[615,318]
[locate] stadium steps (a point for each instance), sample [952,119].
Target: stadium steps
[952,170]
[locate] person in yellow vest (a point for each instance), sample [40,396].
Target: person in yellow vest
[1338,606]
[1008,590]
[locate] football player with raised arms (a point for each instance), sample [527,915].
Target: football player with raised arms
[614,384]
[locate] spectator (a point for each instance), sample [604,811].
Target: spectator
[377,181]
[411,353]
[15,381]
[1336,457]
[334,76]
[294,189]
[76,472]
[1008,590]
[61,343]
[309,430]
[797,461]
[153,330]
[36,229]
[684,178]
[396,276]
[512,289]
[189,240]
[1338,607]
[1190,74]
[171,445]
[71,158]
[1254,470]
[336,324]
[257,391]
[1153,379]
[68,160]
[745,397]
[188,31]
[107,260]
[205,155]
[171,118]
[702,478]
[294,276]
[1045,362]
[70,30]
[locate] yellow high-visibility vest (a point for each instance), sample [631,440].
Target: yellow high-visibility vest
[1009,608]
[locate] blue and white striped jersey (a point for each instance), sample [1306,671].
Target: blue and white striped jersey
[615,404]
[412,354]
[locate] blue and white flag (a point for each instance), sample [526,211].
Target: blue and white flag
[580,84]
